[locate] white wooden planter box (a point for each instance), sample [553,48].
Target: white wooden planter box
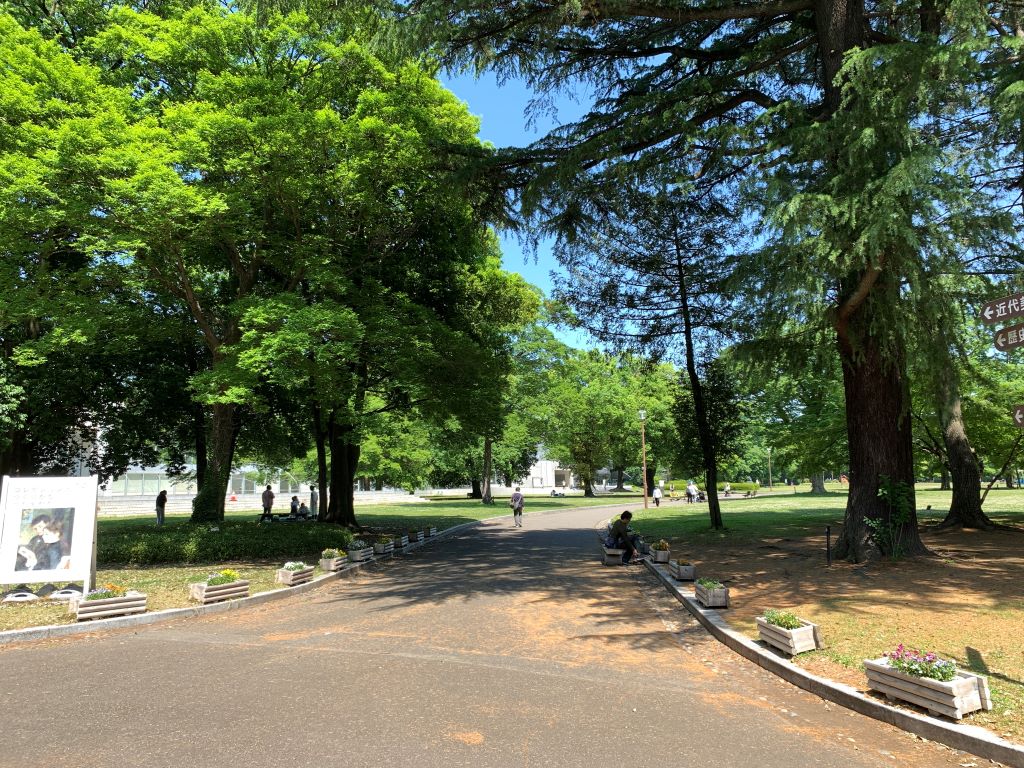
[965,693]
[360,555]
[383,549]
[332,564]
[712,598]
[643,548]
[660,555]
[401,542]
[294,578]
[431,532]
[415,536]
[686,572]
[133,602]
[792,641]
[207,594]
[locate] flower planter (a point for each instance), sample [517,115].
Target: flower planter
[660,555]
[207,594]
[643,548]
[383,549]
[685,572]
[360,555]
[401,542]
[430,532]
[416,536]
[792,641]
[331,564]
[132,602]
[965,693]
[294,578]
[712,598]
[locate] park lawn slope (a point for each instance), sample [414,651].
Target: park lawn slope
[965,603]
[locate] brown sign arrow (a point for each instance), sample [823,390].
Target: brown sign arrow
[1001,310]
[1018,415]
[1009,338]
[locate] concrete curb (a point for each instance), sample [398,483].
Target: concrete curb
[170,614]
[969,738]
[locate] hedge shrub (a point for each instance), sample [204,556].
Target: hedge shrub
[215,542]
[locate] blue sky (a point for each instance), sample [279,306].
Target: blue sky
[503,122]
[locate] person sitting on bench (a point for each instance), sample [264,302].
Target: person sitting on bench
[622,538]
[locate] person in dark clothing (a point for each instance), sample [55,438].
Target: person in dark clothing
[517,502]
[622,538]
[161,506]
[294,511]
[268,504]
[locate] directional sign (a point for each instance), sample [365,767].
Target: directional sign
[1018,415]
[1001,310]
[1009,338]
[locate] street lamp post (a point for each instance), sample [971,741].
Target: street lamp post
[643,453]
[769,468]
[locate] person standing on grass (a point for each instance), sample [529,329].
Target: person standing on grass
[517,502]
[268,503]
[314,500]
[161,506]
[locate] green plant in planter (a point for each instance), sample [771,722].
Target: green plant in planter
[661,546]
[331,553]
[225,576]
[918,664]
[710,583]
[106,591]
[294,565]
[384,539]
[357,544]
[782,619]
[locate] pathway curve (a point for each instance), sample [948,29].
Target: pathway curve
[497,647]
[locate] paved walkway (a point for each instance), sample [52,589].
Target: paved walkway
[498,647]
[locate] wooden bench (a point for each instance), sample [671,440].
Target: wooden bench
[613,555]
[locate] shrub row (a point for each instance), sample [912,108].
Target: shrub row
[217,543]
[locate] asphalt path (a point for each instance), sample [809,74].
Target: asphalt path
[498,646]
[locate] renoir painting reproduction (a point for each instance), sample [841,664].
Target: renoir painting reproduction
[48,528]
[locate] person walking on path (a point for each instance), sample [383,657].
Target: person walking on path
[517,502]
[657,496]
[314,499]
[268,503]
[161,505]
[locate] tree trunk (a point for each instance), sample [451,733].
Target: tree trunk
[707,442]
[344,463]
[208,505]
[199,425]
[588,488]
[320,439]
[818,482]
[476,492]
[944,485]
[652,471]
[880,442]
[965,509]
[488,464]
[620,477]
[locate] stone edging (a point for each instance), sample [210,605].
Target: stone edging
[169,614]
[969,738]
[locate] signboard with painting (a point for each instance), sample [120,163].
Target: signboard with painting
[47,530]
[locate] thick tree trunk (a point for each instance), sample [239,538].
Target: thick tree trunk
[208,505]
[944,484]
[879,436]
[344,463]
[488,465]
[320,439]
[199,425]
[588,489]
[620,477]
[476,492]
[652,471]
[965,509]
[818,482]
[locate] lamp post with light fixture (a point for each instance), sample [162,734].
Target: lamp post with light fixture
[643,452]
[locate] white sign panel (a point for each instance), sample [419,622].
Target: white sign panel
[47,529]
